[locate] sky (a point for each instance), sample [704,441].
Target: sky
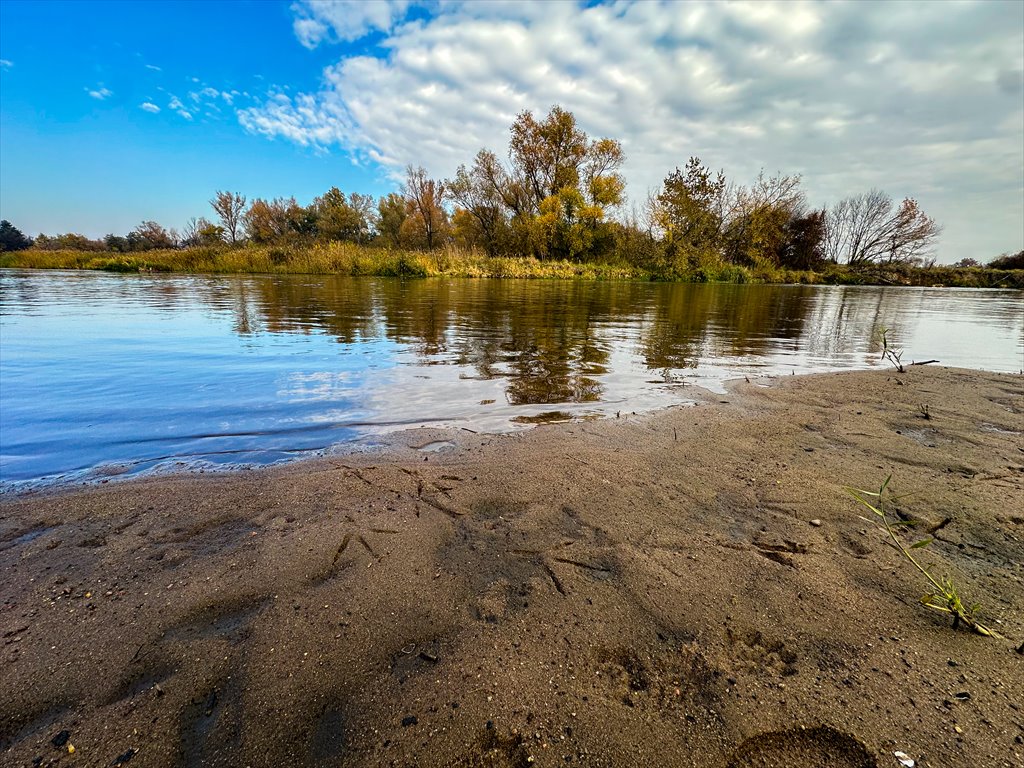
[116,112]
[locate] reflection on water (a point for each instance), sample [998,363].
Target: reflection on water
[105,373]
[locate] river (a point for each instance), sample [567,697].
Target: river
[106,374]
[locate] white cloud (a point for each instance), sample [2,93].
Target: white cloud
[176,105]
[212,93]
[154,67]
[100,93]
[149,106]
[334,20]
[6,63]
[915,98]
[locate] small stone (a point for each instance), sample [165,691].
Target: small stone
[409,720]
[816,523]
[61,739]
[958,729]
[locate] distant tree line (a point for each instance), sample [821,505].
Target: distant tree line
[559,194]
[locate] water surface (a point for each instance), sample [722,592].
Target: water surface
[104,374]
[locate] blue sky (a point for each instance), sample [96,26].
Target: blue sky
[111,113]
[80,152]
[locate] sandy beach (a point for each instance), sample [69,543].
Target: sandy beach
[690,587]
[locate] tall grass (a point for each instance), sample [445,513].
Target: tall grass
[340,258]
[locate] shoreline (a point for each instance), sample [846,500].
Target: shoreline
[346,259]
[688,586]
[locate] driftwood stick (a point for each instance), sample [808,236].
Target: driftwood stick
[925,362]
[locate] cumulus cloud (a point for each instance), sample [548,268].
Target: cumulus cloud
[175,105]
[917,99]
[100,93]
[149,106]
[336,20]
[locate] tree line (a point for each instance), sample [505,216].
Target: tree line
[559,194]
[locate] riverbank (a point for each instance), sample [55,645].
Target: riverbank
[690,587]
[338,258]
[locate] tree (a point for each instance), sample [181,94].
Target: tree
[569,224]
[149,235]
[69,241]
[1008,261]
[12,238]
[547,154]
[475,191]
[691,208]
[758,218]
[201,231]
[803,245]
[391,214]
[229,207]
[279,220]
[869,228]
[424,197]
[602,182]
[338,218]
[561,186]
[116,243]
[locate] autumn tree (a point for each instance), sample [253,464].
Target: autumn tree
[871,228]
[201,231]
[150,235]
[804,239]
[548,153]
[230,208]
[691,209]
[69,241]
[278,221]
[391,214]
[477,194]
[569,224]
[343,218]
[424,198]
[758,218]
[565,180]
[12,238]
[265,220]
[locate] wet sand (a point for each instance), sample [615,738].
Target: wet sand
[691,587]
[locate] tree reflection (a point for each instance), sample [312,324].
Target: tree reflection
[551,341]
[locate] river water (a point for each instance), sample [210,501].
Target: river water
[106,374]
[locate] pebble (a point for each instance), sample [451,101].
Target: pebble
[816,523]
[61,739]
